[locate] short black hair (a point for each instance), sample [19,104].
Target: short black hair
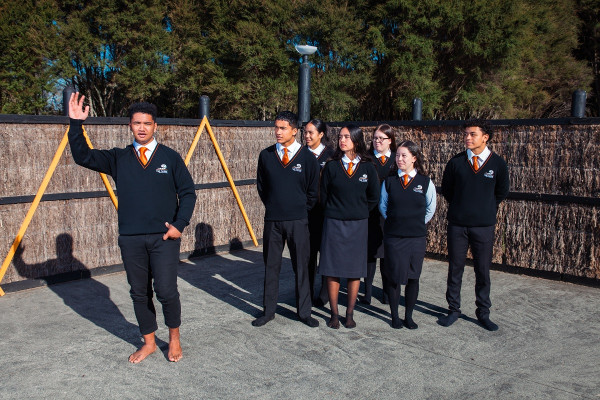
[288,116]
[143,107]
[482,124]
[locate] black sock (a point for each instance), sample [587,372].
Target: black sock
[371,268]
[411,293]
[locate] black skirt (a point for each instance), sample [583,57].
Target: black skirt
[344,248]
[403,258]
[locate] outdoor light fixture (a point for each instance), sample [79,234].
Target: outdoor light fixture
[305,50]
[304,83]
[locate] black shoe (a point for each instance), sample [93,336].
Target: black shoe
[334,322]
[310,321]
[410,324]
[396,323]
[451,318]
[365,300]
[487,324]
[350,321]
[384,299]
[260,321]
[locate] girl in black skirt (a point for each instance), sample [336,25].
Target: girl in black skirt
[315,136]
[408,201]
[383,151]
[349,190]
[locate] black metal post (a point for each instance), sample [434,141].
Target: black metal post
[304,91]
[67,92]
[204,109]
[578,104]
[417,109]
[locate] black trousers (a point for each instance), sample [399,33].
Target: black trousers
[295,234]
[151,262]
[481,240]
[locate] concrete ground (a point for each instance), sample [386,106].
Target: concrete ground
[72,341]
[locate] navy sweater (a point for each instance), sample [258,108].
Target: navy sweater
[474,197]
[346,197]
[287,191]
[161,191]
[406,207]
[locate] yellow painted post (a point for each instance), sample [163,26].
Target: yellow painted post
[206,124]
[111,193]
[230,179]
[33,207]
[195,141]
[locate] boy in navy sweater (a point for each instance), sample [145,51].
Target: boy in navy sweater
[156,201]
[287,182]
[475,182]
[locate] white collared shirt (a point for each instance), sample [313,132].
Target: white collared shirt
[378,155]
[317,152]
[480,157]
[430,197]
[346,161]
[150,146]
[292,149]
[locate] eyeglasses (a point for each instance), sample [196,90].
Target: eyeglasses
[380,138]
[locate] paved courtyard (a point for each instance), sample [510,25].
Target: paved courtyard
[72,340]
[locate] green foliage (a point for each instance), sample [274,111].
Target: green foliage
[27,49]
[464,58]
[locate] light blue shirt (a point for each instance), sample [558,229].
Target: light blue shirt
[430,197]
[150,146]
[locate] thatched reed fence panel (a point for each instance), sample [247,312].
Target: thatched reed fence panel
[78,234]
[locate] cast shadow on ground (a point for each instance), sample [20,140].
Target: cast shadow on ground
[238,282]
[91,302]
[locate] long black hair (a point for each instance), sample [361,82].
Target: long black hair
[358,140]
[321,127]
[388,131]
[415,150]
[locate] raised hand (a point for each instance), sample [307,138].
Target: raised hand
[76,110]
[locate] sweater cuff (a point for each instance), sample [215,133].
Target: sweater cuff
[180,224]
[75,122]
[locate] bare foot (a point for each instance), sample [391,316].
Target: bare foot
[142,353]
[175,353]
[148,348]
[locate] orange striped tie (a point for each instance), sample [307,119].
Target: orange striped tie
[383,159]
[143,158]
[350,165]
[405,179]
[285,158]
[475,164]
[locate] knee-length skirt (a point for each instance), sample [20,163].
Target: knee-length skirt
[344,248]
[403,258]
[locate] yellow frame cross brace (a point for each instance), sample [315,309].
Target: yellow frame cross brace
[61,148]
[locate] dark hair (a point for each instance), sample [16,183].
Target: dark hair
[482,124]
[388,131]
[288,116]
[145,108]
[358,140]
[321,127]
[415,150]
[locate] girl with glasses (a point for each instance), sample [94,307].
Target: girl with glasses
[383,148]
